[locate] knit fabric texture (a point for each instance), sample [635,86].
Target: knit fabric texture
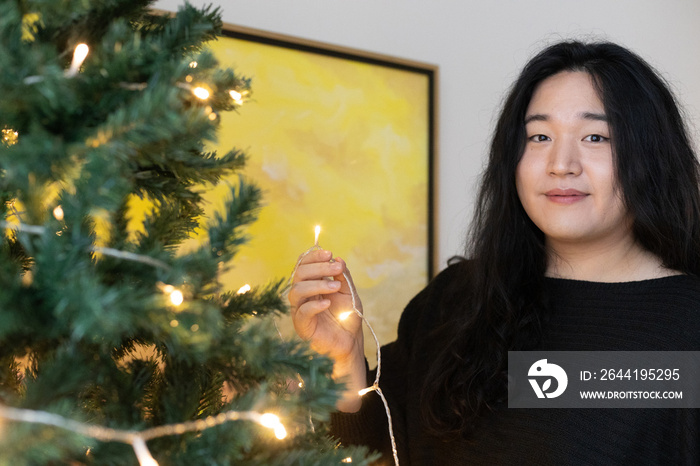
[651,315]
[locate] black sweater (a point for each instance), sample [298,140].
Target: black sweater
[650,315]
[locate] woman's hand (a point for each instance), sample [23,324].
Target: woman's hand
[322,313]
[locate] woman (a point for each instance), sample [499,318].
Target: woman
[586,237]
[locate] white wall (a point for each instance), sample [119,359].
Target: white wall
[480,47]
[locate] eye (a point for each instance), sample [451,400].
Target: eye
[595,138]
[538,138]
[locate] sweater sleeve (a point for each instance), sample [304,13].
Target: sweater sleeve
[369,426]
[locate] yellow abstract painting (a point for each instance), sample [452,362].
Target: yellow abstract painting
[341,143]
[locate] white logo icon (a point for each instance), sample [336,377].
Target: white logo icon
[542,368]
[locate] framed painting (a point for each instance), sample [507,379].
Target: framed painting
[343,139]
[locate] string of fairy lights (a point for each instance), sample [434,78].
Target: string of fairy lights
[342,316]
[138,439]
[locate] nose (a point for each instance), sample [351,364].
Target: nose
[564,158]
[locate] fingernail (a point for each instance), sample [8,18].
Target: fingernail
[334,285]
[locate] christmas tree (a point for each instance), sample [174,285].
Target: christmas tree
[116,347]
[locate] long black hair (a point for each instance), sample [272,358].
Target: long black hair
[500,300]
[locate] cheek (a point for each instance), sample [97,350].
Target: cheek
[606,184]
[523,182]
[617,206]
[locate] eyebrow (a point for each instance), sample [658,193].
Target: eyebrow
[582,115]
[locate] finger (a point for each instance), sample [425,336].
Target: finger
[317,270]
[305,320]
[315,255]
[305,290]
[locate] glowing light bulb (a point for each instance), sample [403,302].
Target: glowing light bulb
[9,136]
[347,460]
[80,52]
[345,315]
[58,213]
[142,453]
[148,462]
[365,391]
[176,297]
[236,96]
[201,93]
[244,289]
[269,420]
[193,64]
[280,431]
[317,231]
[79,55]
[272,421]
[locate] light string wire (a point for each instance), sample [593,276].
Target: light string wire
[138,439]
[375,386]
[129,256]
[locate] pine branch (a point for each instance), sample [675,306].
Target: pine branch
[188,30]
[241,209]
[259,301]
[60,19]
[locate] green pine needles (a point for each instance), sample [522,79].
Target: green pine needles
[90,327]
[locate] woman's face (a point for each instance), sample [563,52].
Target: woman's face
[566,178]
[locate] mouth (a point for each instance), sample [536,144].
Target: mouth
[565,196]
